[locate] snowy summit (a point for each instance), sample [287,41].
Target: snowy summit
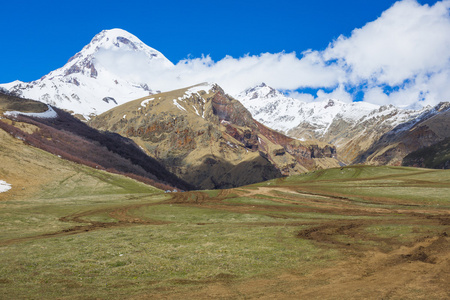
[109,71]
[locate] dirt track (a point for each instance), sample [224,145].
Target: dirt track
[372,272]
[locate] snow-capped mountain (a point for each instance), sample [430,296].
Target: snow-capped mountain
[283,113]
[351,127]
[286,114]
[427,129]
[106,72]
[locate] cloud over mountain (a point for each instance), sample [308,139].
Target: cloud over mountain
[403,57]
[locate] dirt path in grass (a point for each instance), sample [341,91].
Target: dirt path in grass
[295,202]
[121,214]
[391,270]
[334,203]
[375,267]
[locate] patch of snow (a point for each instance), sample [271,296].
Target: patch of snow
[145,102]
[196,111]
[231,144]
[4,186]
[124,116]
[200,87]
[48,114]
[175,102]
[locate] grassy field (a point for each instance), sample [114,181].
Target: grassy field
[324,234]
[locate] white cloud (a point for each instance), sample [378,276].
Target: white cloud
[406,49]
[130,65]
[301,96]
[338,93]
[376,95]
[281,70]
[406,40]
[423,90]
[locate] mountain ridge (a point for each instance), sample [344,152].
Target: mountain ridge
[209,139]
[352,127]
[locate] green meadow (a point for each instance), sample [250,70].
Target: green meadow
[96,235]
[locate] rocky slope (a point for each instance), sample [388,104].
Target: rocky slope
[103,74]
[429,128]
[436,156]
[210,140]
[352,127]
[61,134]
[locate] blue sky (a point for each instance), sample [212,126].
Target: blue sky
[350,47]
[40,36]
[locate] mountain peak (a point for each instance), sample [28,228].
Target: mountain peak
[115,32]
[117,38]
[111,48]
[205,135]
[114,65]
[330,103]
[259,91]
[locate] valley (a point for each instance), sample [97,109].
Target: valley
[322,234]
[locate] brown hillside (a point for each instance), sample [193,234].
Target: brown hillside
[72,139]
[209,139]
